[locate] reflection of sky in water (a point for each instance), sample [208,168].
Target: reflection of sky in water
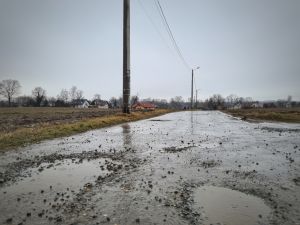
[67,177]
[127,136]
[225,206]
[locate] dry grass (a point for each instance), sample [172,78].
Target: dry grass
[15,118]
[47,130]
[291,115]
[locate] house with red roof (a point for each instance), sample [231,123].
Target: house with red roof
[143,106]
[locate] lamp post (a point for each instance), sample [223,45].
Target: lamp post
[192,88]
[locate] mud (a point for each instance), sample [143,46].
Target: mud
[154,172]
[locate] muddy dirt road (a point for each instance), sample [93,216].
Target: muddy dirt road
[180,168]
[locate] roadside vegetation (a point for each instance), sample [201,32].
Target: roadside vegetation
[291,115]
[31,125]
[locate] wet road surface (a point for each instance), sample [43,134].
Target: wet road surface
[181,168]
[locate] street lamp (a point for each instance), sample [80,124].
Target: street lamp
[192,89]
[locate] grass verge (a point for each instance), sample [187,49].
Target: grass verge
[24,136]
[290,115]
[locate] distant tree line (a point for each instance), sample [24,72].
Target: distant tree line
[10,91]
[232,101]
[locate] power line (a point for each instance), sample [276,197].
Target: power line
[166,24]
[154,25]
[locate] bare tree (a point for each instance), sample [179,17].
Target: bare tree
[134,99]
[113,102]
[120,101]
[25,101]
[75,94]
[216,102]
[40,94]
[97,97]
[72,93]
[247,102]
[64,95]
[177,102]
[79,94]
[232,100]
[9,88]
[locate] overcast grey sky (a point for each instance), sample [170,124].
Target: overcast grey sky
[248,48]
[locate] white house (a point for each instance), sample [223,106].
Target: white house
[82,104]
[100,104]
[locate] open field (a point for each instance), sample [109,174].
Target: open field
[291,115]
[14,118]
[21,126]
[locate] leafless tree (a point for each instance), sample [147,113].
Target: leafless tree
[39,94]
[113,102]
[9,89]
[247,102]
[51,101]
[79,94]
[120,101]
[177,102]
[97,97]
[75,94]
[216,102]
[232,100]
[25,101]
[72,93]
[134,99]
[64,95]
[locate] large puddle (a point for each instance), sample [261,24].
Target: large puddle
[42,189]
[228,207]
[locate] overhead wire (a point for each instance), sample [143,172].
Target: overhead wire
[169,31]
[155,26]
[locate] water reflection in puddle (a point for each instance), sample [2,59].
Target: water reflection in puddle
[66,174]
[228,207]
[47,187]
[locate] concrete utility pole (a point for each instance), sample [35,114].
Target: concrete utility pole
[126,57]
[192,89]
[197,98]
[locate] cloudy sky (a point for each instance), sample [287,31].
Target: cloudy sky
[244,47]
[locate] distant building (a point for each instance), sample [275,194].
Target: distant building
[81,103]
[288,105]
[237,106]
[257,105]
[143,106]
[100,104]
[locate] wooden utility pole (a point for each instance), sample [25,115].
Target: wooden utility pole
[192,89]
[126,57]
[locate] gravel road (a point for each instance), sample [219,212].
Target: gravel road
[200,167]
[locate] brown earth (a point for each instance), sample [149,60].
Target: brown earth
[14,118]
[269,114]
